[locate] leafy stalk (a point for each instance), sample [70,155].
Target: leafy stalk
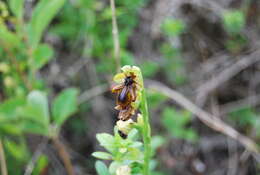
[146,134]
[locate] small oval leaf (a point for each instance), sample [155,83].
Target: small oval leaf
[102,155]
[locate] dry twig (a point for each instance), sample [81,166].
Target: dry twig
[115,36]
[61,148]
[207,118]
[2,160]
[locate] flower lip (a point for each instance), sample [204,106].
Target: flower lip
[129,91]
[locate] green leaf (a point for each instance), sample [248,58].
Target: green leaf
[191,135]
[29,126]
[64,105]
[244,116]
[133,134]
[155,99]
[256,125]
[17,7]
[42,15]
[101,168]
[134,154]
[37,108]
[42,55]
[136,144]
[9,39]
[102,155]
[234,21]
[172,118]
[40,165]
[17,150]
[8,109]
[175,122]
[127,58]
[10,128]
[173,27]
[107,141]
[149,68]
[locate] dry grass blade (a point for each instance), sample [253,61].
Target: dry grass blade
[207,118]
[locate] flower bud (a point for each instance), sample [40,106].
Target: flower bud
[123,170]
[125,126]
[122,150]
[4,67]
[9,82]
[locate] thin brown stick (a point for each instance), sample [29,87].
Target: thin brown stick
[207,118]
[115,36]
[2,160]
[64,155]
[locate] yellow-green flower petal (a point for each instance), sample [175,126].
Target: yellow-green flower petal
[126,68]
[119,78]
[136,69]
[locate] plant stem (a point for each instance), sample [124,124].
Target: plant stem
[115,36]
[2,159]
[64,155]
[146,132]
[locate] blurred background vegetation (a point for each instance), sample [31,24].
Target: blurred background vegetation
[56,68]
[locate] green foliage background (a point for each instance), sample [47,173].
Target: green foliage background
[51,51]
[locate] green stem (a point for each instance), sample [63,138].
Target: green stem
[146,131]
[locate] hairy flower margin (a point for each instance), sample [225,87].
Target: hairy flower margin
[126,71]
